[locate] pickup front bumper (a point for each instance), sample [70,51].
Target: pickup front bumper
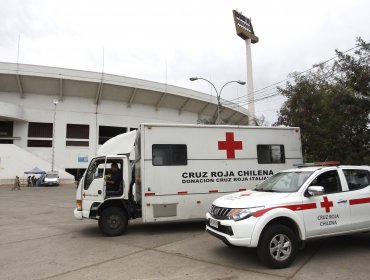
[233,233]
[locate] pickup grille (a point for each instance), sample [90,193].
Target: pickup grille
[221,228]
[219,213]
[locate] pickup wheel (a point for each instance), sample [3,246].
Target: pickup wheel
[113,221]
[277,247]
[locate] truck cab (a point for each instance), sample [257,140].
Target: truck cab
[98,196]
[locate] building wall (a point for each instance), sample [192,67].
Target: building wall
[79,110]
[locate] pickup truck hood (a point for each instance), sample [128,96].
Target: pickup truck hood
[248,199]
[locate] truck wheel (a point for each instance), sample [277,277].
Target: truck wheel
[277,247]
[113,221]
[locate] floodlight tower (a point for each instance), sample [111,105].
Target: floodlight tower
[244,30]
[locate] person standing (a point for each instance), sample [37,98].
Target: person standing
[17,184]
[29,181]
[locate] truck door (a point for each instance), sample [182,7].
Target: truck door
[93,190]
[114,177]
[332,213]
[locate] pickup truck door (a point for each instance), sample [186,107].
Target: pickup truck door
[358,182]
[332,213]
[93,190]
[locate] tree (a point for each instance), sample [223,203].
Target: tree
[331,105]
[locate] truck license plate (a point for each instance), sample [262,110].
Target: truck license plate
[213,223]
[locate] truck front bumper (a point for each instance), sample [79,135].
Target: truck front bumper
[78,214]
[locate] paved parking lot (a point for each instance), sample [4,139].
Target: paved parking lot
[40,239]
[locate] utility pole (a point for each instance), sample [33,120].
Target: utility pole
[55,101]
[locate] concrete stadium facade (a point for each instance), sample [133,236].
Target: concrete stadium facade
[90,102]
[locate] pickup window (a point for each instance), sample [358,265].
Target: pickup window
[357,178]
[169,154]
[329,180]
[284,182]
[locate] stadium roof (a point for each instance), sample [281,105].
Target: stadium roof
[62,83]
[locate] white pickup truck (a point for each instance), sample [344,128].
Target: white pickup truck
[293,206]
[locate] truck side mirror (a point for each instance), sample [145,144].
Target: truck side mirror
[315,190]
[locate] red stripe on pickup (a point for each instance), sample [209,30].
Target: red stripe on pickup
[359,201]
[297,207]
[213,191]
[182,192]
[149,194]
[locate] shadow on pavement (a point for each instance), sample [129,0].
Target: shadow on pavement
[160,228]
[166,227]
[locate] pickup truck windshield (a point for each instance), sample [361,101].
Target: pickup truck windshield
[284,182]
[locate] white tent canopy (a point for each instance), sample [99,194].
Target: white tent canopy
[35,170]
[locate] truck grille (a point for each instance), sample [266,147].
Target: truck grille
[219,213]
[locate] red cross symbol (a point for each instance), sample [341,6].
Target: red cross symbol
[230,145]
[326,204]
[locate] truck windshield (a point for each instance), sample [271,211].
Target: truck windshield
[94,171]
[284,182]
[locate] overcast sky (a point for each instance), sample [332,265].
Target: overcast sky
[172,40]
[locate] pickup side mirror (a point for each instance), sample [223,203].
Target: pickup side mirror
[315,190]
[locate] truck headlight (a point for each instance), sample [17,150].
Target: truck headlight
[79,205]
[242,213]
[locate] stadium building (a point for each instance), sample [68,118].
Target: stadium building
[83,110]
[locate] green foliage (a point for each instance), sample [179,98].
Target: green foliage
[331,105]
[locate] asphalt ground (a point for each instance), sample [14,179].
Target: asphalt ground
[40,239]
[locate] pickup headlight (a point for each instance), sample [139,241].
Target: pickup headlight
[242,213]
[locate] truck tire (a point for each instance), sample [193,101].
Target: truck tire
[113,221]
[278,246]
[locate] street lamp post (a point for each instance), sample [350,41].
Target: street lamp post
[218,93]
[55,101]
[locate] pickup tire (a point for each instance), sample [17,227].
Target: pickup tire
[278,246]
[113,221]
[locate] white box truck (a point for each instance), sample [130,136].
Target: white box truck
[168,172]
